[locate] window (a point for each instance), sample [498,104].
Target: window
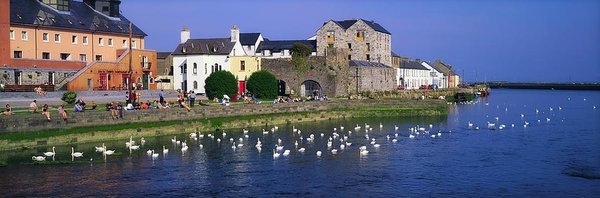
[195,84]
[368,57]
[74,39]
[360,35]
[57,38]
[330,36]
[104,8]
[45,37]
[100,41]
[18,54]
[349,57]
[205,68]
[133,45]
[350,46]
[84,40]
[368,47]
[242,65]
[65,56]
[110,42]
[24,35]
[184,71]
[195,69]
[46,55]
[124,43]
[82,57]
[98,57]
[330,45]
[12,35]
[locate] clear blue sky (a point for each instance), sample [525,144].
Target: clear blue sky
[545,41]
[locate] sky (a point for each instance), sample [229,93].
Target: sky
[508,40]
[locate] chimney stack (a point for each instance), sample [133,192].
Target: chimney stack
[185,34]
[235,33]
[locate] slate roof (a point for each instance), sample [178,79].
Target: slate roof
[211,46]
[347,23]
[79,17]
[412,65]
[360,63]
[249,38]
[277,46]
[162,55]
[443,68]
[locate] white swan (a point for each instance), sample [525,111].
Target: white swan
[265,132]
[50,154]
[294,129]
[342,146]
[301,150]
[143,141]
[100,149]
[319,153]
[275,154]
[394,140]
[411,136]
[364,152]
[296,143]
[149,152]
[286,152]
[184,149]
[76,154]
[154,155]
[38,158]
[348,143]
[376,145]
[395,128]
[174,140]
[245,131]
[334,151]
[134,147]
[380,125]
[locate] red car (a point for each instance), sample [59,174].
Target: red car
[401,87]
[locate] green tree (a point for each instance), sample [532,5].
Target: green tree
[69,97]
[220,83]
[262,84]
[300,54]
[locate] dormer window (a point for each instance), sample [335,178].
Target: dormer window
[330,36]
[183,50]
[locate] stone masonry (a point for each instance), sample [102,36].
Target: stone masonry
[375,44]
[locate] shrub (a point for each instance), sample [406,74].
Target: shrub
[69,97]
[220,83]
[262,84]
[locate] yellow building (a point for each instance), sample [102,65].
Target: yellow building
[242,67]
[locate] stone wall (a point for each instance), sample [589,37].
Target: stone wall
[33,77]
[36,122]
[373,79]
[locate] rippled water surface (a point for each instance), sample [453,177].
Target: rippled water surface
[557,156]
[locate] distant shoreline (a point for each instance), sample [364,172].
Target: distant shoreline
[550,86]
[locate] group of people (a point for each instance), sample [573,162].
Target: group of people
[33,108]
[40,91]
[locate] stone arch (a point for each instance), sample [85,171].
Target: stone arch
[311,88]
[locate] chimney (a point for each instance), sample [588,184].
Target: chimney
[114,8]
[185,34]
[4,31]
[418,60]
[235,33]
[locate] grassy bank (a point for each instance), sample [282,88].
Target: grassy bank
[9,141]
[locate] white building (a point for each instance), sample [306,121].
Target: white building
[282,49]
[195,59]
[412,75]
[437,77]
[250,41]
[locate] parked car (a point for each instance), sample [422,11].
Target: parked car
[424,87]
[401,87]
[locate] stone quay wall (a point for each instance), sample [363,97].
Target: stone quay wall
[36,122]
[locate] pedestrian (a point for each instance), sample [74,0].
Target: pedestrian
[138,96]
[127,97]
[62,112]
[120,109]
[161,96]
[113,110]
[7,110]
[33,106]
[46,112]
[192,97]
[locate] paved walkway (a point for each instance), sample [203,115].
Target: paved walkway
[22,99]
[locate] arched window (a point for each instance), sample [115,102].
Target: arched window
[220,68]
[195,68]
[205,68]
[195,84]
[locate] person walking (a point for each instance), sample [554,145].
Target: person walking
[192,98]
[161,97]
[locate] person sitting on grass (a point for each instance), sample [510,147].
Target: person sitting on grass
[62,112]
[144,105]
[78,108]
[129,106]
[46,112]
[7,110]
[182,103]
[33,106]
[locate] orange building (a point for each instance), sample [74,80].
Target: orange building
[51,41]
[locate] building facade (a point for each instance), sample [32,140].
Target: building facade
[365,40]
[282,48]
[242,67]
[57,38]
[195,59]
[437,78]
[411,74]
[164,68]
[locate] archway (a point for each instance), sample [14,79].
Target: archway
[311,88]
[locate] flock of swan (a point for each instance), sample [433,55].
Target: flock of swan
[337,141]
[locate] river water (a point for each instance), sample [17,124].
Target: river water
[557,156]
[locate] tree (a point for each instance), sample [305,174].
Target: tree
[300,53]
[262,84]
[220,83]
[69,97]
